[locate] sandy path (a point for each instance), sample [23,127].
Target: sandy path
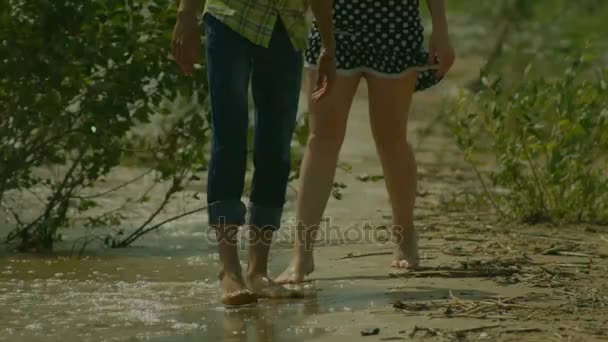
[541,297]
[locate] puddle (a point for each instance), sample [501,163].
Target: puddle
[131,296]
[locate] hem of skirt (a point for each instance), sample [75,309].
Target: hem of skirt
[350,72]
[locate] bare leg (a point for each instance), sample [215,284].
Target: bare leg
[327,129]
[389,105]
[257,270]
[235,292]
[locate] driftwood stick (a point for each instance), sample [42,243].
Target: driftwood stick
[461,331]
[456,273]
[355,256]
[523,330]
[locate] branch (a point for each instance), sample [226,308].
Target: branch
[118,187]
[52,202]
[12,212]
[487,191]
[138,232]
[136,235]
[87,239]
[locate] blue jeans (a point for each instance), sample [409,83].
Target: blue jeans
[275,74]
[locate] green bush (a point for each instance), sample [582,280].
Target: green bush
[539,145]
[76,78]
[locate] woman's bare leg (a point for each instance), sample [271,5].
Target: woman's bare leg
[327,129]
[389,106]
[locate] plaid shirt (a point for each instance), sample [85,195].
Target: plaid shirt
[255,19]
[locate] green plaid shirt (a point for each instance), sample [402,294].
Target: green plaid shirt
[255,19]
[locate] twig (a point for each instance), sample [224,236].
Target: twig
[574,254]
[480,316]
[486,190]
[87,239]
[463,238]
[523,330]
[35,195]
[489,273]
[553,273]
[535,174]
[140,233]
[587,264]
[461,331]
[353,256]
[12,212]
[516,306]
[555,238]
[56,199]
[497,317]
[475,310]
[429,331]
[118,187]
[486,316]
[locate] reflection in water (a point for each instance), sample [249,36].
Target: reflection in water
[156,293]
[151,298]
[270,321]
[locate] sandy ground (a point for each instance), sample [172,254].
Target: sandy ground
[482,280]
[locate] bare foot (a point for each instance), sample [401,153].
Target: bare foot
[235,292]
[406,251]
[263,287]
[300,267]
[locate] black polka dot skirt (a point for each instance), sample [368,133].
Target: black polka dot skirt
[380,37]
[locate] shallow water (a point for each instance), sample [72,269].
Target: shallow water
[165,289]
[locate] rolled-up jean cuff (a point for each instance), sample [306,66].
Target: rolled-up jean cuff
[229,212]
[262,217]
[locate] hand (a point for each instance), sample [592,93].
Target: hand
[440,48]
[326,75]
[186,45]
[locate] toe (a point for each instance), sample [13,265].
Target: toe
[290,278]
[403,264]
[244,297]
[283,279]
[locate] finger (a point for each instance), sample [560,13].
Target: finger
[318,89]
[319,93]
[325,90]
[432,56]
[196,55]
[195,52]
[315,98]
